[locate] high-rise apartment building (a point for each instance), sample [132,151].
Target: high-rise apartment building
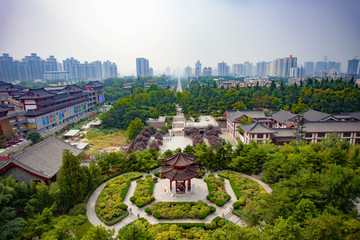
[7,73]
[297,72]
[353,65]
[51,64]
[309,69]
[223,69]
[237,69]
[109,69]
[289,62]
[142,67]
[34,67]
[151,72]
[188,71]
[248,69]
[262,69]
[207,72]
[320,69]
[281,67]
[198,69]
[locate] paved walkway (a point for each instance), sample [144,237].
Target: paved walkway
[135,212]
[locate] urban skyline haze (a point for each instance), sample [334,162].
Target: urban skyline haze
[178,33]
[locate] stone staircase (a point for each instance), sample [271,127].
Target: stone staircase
[129,219]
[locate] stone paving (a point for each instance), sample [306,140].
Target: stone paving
[199,192]
[175,142]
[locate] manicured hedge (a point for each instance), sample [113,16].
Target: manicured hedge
[179,210]
[244,188]
[143,191]
[109,206]
[217,193]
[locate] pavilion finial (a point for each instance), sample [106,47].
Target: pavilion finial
[179,150]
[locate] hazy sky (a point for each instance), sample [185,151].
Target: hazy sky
[176,33]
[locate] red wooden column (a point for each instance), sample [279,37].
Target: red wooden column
[189,184]
[170,185]
[176,186]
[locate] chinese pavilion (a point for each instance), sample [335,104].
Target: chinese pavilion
[180,168]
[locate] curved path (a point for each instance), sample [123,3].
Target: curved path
[135,212]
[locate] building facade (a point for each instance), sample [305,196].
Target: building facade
[279,127]
[142,67]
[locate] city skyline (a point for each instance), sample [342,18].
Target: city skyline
[212,31]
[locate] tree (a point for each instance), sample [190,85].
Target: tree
[134,232]
[95,172]
[325,227]
[72,180]
[239,105]
[298,107]
[99,232]
[34,136]
[134,128]
[299,126]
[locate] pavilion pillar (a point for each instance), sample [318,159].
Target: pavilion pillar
[170,185]
[176,186]
[189,184]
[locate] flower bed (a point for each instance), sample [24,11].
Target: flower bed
[180,210]
[245,189]
[109,206]
[217,193]
[143,191]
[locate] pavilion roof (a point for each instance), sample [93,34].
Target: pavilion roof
[179,175]
[180,160]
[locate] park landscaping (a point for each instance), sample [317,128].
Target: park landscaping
[217,193]
[245,189]
[143,191]
[109,206]
[180,210]
[216,229]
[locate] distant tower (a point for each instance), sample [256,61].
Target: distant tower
[142,67]
[223,69]
[353,66]
[197,69]
[188,71]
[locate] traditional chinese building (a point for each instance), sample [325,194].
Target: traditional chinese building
[180,168]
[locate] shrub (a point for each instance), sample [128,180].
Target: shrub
[217,193]
[243,187]
[147,210]
[220,202]
[143,191]
[221,223]
[236,205]
[211,225]
[156,174]
[216,219]
[180,210]
[212,209]
[78,209]
[242,201]
[109,206]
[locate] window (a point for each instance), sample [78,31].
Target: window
[320,135]
[308,135]
[260,136]
[346,134]
[358,134]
